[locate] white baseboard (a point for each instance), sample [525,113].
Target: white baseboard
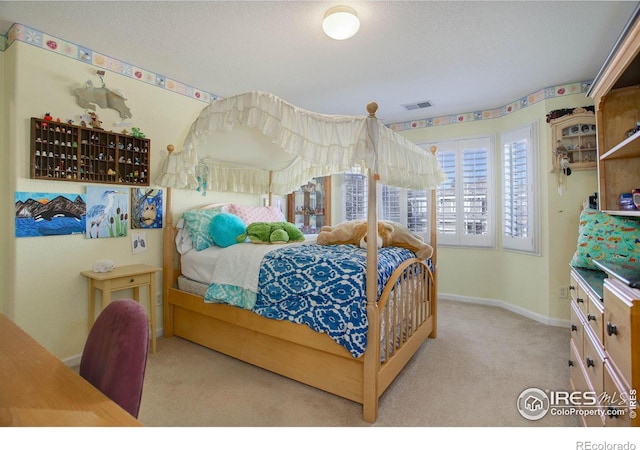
[508,306]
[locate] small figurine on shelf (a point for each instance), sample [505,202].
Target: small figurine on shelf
[95,122]
[137,133]
[48,117]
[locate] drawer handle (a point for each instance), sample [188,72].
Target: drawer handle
[611,329]
[580,300]
[132,280]
[574,327]
[611,412]
[590,362]
[590,317]
[571,363]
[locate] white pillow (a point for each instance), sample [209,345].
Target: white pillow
[184,243]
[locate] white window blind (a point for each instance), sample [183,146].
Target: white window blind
[519,199]
[465,212]
[405,206]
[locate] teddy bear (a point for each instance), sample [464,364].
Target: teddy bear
[272,233]
[390,234]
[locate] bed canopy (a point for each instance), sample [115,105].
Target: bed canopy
[276,147]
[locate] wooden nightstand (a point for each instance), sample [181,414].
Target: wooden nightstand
[124,277]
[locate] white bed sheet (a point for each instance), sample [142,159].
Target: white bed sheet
[237,265]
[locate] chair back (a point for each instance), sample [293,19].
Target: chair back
[115,353]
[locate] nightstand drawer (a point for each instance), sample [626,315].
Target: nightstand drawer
[617,336]
[130,281]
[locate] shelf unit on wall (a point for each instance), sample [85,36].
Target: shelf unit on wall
[616,94]
[575,134]
[64,152]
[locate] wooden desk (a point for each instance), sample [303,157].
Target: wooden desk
[124,277]
[37,389]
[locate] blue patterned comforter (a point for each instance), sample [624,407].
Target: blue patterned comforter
[323,287]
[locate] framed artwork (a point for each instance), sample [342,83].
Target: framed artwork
[49,214]
[146,208]
[107,212]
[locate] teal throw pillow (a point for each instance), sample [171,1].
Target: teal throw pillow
[225,229]
[197,224]
[606,237]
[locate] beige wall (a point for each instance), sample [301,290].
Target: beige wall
[44,291]
[525,283]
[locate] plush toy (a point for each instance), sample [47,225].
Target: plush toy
[390,234]
[272,233]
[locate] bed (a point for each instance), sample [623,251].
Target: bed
[294,145]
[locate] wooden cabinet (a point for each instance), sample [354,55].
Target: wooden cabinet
[64,152]
[309,207]
[574,137]
[604,355]
[616,93]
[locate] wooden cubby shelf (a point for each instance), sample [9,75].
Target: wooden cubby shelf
[64,152]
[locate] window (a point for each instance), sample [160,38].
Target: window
[409,207]
[520,191]
[465,209]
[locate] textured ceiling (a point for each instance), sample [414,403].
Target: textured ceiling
[462,56]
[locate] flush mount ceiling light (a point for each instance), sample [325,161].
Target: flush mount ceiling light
[340,22]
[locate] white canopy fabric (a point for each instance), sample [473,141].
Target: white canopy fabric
[258,143]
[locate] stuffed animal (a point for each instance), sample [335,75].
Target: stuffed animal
[390,234]
[272,233]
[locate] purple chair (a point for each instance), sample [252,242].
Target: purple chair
[115,354]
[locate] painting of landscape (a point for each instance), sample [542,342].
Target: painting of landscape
[49,214]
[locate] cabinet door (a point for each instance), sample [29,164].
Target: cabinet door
[309,206]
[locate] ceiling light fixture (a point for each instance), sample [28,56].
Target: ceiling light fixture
[340,22]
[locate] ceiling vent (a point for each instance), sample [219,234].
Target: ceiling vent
[419,105]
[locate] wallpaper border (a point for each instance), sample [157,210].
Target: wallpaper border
[23,33]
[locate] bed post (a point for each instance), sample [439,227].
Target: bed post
[168,262]
[372,352]
[433,240]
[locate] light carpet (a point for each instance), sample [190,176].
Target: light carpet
[471,376]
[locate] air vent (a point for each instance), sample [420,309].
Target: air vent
[419,105]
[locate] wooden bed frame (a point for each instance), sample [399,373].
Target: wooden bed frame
[406,311]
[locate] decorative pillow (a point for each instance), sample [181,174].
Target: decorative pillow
[250,214]
[197,223]
[226,228]
[605,237]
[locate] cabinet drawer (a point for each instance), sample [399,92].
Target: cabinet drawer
[615,399]
[577,376]
[593,360]
[580,383]
[595,314]
[617,337]
[577,329]
[578,294]
[130,281]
